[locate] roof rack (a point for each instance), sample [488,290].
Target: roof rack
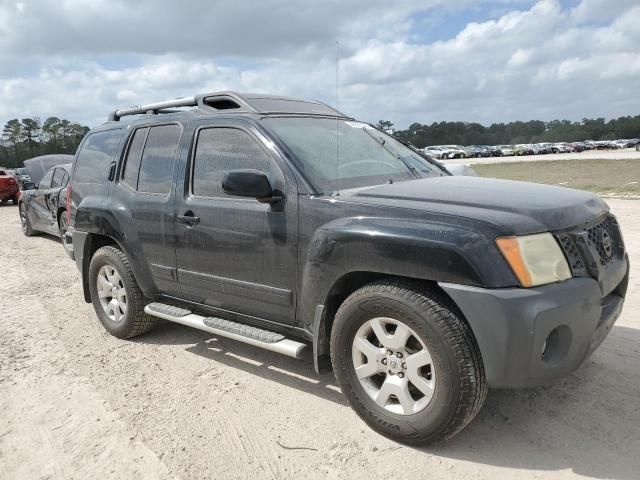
[152,108]
[219,102]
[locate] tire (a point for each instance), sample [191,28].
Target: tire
[122,314]
[454,375]
[15,199]
[25,222]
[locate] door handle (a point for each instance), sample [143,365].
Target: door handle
[188,219]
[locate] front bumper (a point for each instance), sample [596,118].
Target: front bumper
[513,326]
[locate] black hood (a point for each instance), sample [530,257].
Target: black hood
[517,207]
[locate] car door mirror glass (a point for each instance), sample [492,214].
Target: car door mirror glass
[247,183]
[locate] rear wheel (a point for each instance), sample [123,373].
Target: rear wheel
[408,364]
[15,199]
[116,296]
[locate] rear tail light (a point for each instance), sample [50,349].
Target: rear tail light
[68,205]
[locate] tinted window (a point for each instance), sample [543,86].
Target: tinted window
[156,166]
[134,153]
[58,178]
[351,154]
[222,149]
[95,157]
[46,180]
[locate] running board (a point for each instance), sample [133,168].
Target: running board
[225,328]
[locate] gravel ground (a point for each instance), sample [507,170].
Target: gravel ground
[179,403]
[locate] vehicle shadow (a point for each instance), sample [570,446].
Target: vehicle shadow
[271,366]
[588,423]
[48,236]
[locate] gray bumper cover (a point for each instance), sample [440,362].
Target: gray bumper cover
[511,327]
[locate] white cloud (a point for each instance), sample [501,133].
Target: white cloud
[78,61]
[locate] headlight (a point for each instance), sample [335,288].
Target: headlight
[535,259]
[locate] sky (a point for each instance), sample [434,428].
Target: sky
[405,60]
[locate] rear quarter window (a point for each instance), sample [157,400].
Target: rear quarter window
[158,158]
[95,157]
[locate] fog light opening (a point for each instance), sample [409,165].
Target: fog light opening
[556,345]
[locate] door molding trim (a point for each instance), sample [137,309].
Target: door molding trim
[239,288]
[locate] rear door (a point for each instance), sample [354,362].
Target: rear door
[147,181]
[240,255]
[58,181]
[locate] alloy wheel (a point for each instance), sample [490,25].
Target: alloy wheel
[394,366]
[112,294]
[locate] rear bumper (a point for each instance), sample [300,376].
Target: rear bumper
[513,327]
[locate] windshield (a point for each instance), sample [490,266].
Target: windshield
[22,171]
[365,156]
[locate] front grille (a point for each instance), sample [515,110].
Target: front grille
[604,238]
[573,255]
[592,248]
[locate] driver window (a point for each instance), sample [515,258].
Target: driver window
[46,180]
[221,149]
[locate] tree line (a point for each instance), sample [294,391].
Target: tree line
[534,131]
[29,137]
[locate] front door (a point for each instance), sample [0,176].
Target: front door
[235,253]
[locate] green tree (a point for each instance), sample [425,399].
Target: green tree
[31,132]
[50,130]
[384,125]
[13,134]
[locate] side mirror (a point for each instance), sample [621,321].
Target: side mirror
[248,183]
[28,186]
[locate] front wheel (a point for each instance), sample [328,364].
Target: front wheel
[407,362]
[25,223]
[116,296]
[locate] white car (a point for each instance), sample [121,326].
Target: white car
[457,151]
[439,153]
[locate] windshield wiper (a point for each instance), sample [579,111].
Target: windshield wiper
[382,143]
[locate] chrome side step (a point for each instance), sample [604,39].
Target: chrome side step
[225,328]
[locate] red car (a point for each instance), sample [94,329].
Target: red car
[8,188]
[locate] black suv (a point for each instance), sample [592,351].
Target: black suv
[287,225]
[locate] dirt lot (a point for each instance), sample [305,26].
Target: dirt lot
[77,403]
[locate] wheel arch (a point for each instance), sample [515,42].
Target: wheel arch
[92,242]
[340,290]
[59,213]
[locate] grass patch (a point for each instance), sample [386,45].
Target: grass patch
[607,177]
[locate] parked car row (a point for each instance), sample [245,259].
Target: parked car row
[446,152]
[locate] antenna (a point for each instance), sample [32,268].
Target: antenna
[337,123]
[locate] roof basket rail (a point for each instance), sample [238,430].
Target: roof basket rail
[153,108]
[226,101]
